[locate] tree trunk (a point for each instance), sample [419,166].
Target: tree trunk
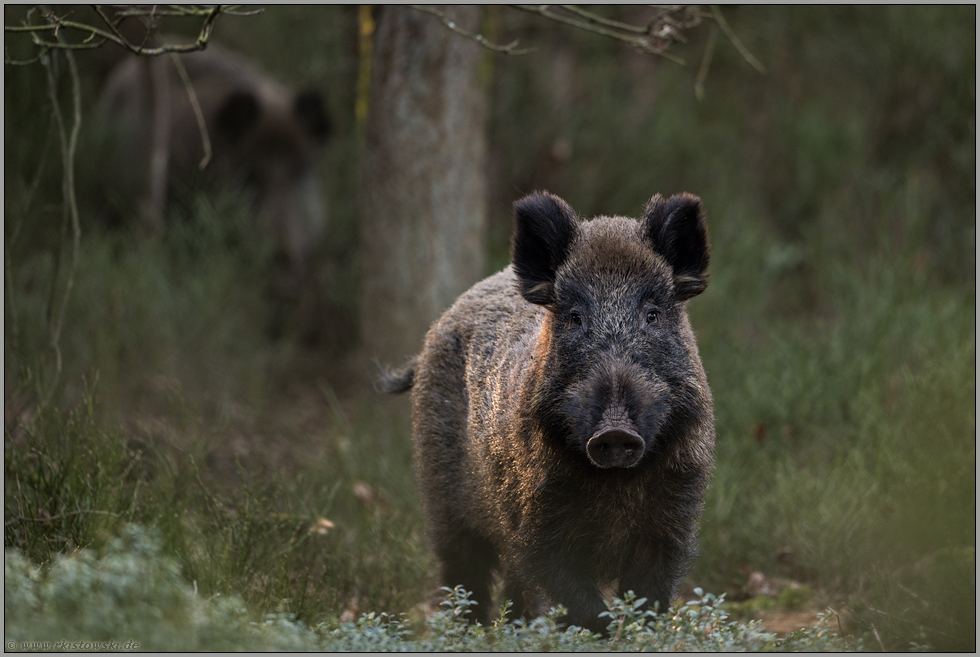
[423,192]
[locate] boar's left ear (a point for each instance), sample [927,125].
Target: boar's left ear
[544,227]
[677,231]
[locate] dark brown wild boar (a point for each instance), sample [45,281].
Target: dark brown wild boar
[564,432]
[265,142]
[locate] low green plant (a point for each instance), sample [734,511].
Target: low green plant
[838,334]
[306,538]
[131,594]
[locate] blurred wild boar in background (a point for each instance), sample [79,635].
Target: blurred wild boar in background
[265,143]
[564,431]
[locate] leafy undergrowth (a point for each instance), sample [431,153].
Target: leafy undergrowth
[132,593]
[838,335]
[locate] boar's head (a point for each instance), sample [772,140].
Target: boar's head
[272,153]
[616,375]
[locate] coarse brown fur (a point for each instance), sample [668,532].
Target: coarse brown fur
[563,424]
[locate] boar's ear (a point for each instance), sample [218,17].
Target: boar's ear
[237,115]
[311,112]
[544,227]
[677,231]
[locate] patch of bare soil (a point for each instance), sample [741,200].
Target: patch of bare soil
[783,621]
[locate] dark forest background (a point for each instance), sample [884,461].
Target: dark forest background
[838,330]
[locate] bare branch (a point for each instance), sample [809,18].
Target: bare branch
[654,43]
[742,50]
[185,11]
[653,38]
[53,337]
[24,62]
[599,20]
[96,37]
[196,106]
[113,24]
[709,51]
[664,30]
[509,49]
[69,144]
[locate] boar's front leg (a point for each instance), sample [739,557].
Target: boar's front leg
[577,591]
[654,572]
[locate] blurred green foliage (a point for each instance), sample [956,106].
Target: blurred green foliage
[838,330]
[133,589]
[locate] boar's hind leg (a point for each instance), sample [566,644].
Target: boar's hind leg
[467,560]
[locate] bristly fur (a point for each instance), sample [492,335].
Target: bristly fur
[396,381]
[544,228]
[564,431]
[677,230]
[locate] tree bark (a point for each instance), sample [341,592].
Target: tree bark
[423,190]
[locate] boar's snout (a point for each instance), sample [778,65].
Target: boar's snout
[615,413]
[618,447]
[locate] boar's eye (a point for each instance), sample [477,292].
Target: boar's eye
[653,317]
[574,320]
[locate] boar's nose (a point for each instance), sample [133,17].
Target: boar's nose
[615,448]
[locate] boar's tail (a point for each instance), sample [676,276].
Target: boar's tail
[396,381]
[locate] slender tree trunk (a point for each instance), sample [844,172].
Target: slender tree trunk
[423,192]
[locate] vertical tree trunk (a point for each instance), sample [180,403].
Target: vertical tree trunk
[423,190]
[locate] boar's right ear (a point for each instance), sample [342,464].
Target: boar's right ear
[544,227]
[677,231]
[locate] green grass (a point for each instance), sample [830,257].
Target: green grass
[71,484]
[838,333]
[844,440]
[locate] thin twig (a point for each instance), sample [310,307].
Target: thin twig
[60,516]
[608,22]
[68,149]
[509,49]
[20,494]
[662,15]
[878,636]
[641,43]
[24,62]
[709,51]
[742,50]
[196,106]
[112,24]
[185,11]
[840,627]
[97,37]
[49,64]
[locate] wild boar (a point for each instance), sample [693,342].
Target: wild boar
[563,425]
[265,141]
